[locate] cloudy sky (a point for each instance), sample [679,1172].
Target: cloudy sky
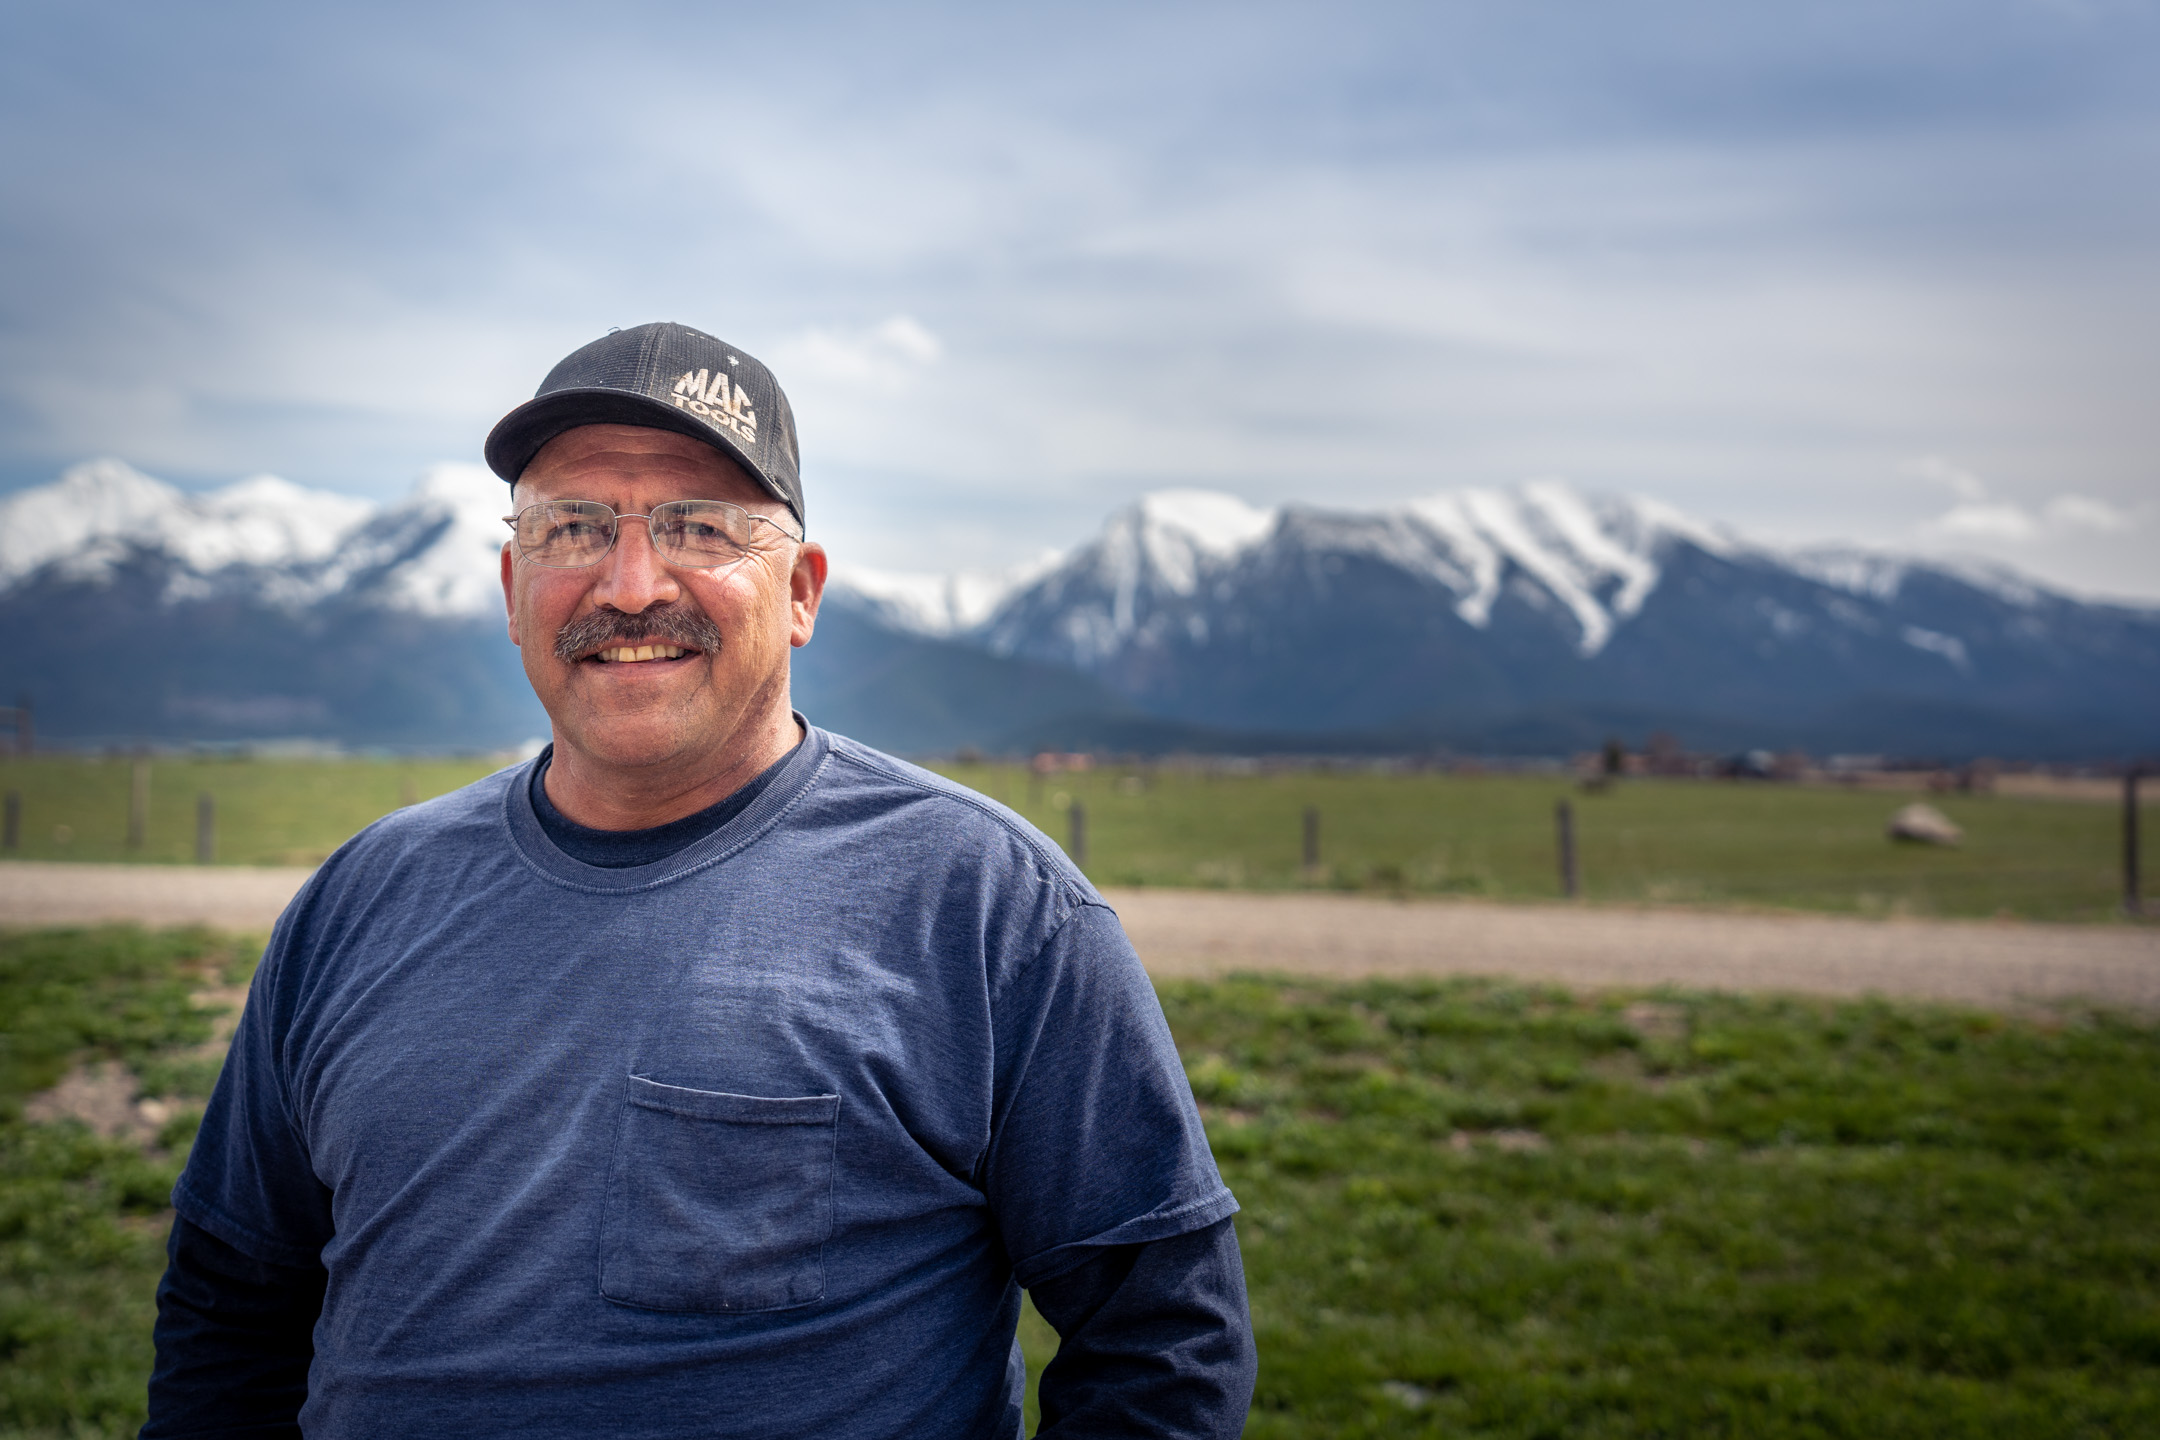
[1882,273]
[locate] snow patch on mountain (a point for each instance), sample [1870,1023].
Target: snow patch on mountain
[1643,525]
[1935,642]
[1514,524]
[1169,538]
[1876,575]
[434,552]
[458,571]
[939,605]
[1203,522]
[1994,578]
[1161,548]
[268,521]
[100,511]
[1866,573]
[1598,558]
[1475,573]
[1571,522]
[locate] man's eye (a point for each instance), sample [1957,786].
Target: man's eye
[706,536]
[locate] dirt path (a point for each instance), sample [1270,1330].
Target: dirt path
[1988,963]
[1183,932]
[225,897]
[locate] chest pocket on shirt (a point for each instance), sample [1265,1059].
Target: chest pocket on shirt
[717,1202]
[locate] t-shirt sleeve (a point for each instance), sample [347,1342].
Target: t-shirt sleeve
[249,1180]
[1155,1340]
[1095,1138]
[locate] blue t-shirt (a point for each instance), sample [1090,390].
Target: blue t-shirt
[753,1140]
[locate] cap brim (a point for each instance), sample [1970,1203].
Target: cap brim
[522,433]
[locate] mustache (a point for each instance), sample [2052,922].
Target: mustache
[674,623]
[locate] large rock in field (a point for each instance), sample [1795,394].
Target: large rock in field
[1924,825]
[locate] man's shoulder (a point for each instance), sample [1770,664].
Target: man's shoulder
[943,812]
[422,850]
[442,828]
[477,806]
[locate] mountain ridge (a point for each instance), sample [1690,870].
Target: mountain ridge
[1449,614]
[1522,620]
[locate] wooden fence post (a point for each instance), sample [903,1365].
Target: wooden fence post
[1312,840]
[205,829]
[1564,822]
[2133,902]
[138,803]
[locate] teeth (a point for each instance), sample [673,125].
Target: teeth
[622,653]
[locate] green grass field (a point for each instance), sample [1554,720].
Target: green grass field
[1469,1209]
[1643,841]
[83,1220]
[1497,1211]
[269,812]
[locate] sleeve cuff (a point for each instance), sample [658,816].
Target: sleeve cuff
[1155,1225]
[251,1243]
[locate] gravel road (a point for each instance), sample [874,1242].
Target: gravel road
[225,897]
[1184,932]
[1977,962]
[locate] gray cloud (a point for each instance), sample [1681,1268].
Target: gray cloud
[1017,266]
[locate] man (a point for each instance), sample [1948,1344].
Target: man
[711,1074]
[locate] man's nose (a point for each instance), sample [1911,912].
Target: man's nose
[632,578]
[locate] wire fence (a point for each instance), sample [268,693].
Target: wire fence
[1534,836]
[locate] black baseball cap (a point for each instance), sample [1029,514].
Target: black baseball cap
[669,377]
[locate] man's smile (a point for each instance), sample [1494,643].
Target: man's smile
[667,635]
[636,654]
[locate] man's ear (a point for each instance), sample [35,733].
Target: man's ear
[806,587]
[509,568]
[509,572]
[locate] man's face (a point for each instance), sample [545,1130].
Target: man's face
[634,713]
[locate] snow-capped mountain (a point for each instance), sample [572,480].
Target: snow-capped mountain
[1160,563]
[132,610]
[943,605]
[432,553]
[1541,613]
[1529,620]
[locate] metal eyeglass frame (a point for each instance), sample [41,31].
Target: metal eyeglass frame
[615,531]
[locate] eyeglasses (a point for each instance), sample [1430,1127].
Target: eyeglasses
[694,534]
